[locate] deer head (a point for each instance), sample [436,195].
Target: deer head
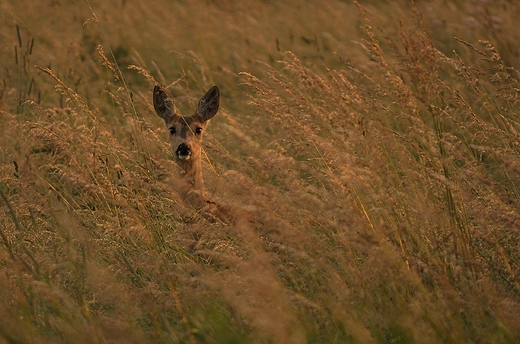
[186,132]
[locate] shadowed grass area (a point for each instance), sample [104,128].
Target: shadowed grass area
[368,155]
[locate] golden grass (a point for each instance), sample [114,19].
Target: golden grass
[370,162]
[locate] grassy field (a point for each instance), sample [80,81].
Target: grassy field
[369,154]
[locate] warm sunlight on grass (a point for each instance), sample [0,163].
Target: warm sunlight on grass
[369,156]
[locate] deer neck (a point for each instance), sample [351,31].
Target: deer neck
[191,173]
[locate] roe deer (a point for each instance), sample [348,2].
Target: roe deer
[186,139]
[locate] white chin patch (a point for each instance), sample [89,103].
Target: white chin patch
[183,157]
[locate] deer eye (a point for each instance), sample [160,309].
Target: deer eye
[198,131]
[172,130]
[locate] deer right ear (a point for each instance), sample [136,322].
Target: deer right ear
[163,104]
[208,105]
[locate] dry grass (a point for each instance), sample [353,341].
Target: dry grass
[372,174]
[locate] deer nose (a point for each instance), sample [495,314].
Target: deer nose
[183,151]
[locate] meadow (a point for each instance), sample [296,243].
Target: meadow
[369,153]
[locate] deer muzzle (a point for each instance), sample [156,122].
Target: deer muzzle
[183,152]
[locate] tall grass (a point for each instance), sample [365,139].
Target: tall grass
[370,164]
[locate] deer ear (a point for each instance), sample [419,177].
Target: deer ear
[163,104]
[208,105]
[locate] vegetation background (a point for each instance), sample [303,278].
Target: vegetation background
[370,153]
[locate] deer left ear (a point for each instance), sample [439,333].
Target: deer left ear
[208,105]
[163,105]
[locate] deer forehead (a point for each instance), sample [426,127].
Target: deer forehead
[185,128]
[183,122]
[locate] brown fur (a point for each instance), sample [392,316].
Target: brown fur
[186,144]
